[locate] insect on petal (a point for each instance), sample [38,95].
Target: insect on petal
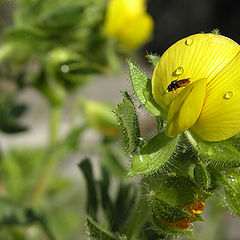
[186,108]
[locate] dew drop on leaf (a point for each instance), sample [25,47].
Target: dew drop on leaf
[65,68]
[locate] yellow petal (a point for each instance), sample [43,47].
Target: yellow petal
[137,31]
[198,56]
[115,16]
[136,7]
[220,116]
[186,108]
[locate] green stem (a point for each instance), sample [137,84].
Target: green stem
[138,220]
[49,157]
[54,121]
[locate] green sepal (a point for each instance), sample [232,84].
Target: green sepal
[143,89]
[128,121]
[165,212]
[97,232]
[165,229]
[233,199]
[197,218]
[178,191]
[223,153]
[153,156]
[232,191]
[201,176]
[153,59]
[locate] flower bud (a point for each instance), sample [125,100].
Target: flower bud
[100,116]
[128,21]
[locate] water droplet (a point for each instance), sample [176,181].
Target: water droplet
[210,40]
[189,42]
[178,72]
[65,68]
[228,95]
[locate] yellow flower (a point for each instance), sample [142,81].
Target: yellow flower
[128,21]
[208,103]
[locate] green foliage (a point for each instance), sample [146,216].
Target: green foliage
[177,191]
[65,46]
[128,121]
[142,87]
[153,59]
[165,212]
[119,210]
[153,156]
[91,188]
[224,153]
[10,111]
[201,176]
[96,232]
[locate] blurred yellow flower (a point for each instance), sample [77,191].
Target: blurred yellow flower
[128,21]
[205,94]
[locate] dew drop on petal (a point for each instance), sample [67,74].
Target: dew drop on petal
[189,42]
[178,72]
[228,95]
[210,40]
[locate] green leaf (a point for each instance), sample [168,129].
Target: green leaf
[232,190]
[97,232]
[154,155]
[143,89]
[153,59]
[92,201]
[224,153]
[62,18]
[128,120]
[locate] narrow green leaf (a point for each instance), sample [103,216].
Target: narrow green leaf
[106,201]
[225,153]
[128,120]
[143,89]
[153,156]
[92,201]
[201,176]
[153,59]
[97,232]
